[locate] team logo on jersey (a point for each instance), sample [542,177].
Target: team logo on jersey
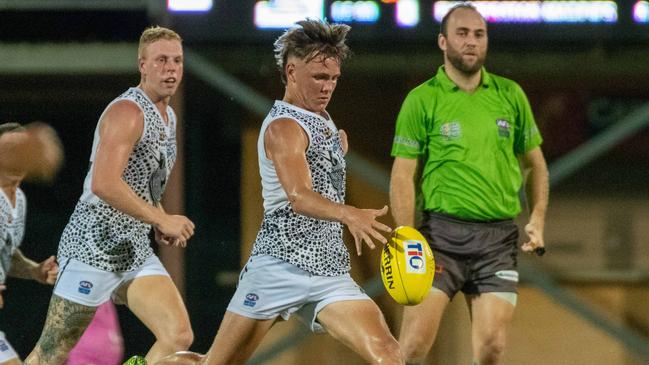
[157,180]
[3,346]
[251,300]
[503,127]
[85,287]
[415,262]
[450,131]
[337,174]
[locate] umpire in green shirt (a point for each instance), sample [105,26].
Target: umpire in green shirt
[464,141]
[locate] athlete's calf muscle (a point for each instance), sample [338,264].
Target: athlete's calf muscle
[66,321]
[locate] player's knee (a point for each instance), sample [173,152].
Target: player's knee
[386,351]
[180,337]
[414,349]
[492,348]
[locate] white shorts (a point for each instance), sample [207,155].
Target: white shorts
[87,285]
[269,287]
[6,351]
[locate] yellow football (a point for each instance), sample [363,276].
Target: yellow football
[407,266]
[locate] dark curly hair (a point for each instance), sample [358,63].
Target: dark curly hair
[309,39]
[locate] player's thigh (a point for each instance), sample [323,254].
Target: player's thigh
[13,361]
[67,318]
[420,322]
[354,322]
[155,300]
[237,338]
[491,313]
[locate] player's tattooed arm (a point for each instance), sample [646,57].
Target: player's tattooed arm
[44,272]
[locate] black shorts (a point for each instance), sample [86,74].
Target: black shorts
[474,257]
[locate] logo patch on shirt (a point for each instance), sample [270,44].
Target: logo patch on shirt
[3,346]
[450,130]
[251,300]
[503,127]
[85,287]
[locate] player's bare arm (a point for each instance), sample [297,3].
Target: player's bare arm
[120,129]
[402,191]
[23,268]
[537,192]
[286,143]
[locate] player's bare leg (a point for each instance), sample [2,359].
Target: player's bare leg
[419,326]
[359,324]
[156,302]
[490,317]
[237,339]
[64,325]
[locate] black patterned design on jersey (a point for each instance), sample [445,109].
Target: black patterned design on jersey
[100,235]
[158,181]
[313,245]
[12,230]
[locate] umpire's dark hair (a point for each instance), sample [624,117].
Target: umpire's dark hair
[311,38]
[10,127]
[443,28]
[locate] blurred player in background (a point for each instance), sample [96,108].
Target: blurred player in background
[469,129]
[105,251]
[34,151]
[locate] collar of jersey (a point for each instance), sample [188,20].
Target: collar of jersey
[300,109]
[449,85]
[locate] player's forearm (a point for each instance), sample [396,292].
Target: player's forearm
[22,267]
[121,197]
[314,205]
[402,201]
[537,192]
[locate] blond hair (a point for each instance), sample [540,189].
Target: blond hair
[153,34]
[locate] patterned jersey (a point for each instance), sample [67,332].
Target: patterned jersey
[313,245]
[104,237]
[12,229]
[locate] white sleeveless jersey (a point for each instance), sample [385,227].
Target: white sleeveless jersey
[313,245]
[12,229]
[104,237]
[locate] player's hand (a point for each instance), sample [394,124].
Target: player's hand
[535,244]
[174,230]
[2,302]
[364,227]
[343,141]
[46,271]
[163,239]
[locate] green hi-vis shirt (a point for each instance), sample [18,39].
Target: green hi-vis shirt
[468,144]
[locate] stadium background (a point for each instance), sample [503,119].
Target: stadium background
[62,61]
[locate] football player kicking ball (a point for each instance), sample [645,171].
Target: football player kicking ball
[299,263]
